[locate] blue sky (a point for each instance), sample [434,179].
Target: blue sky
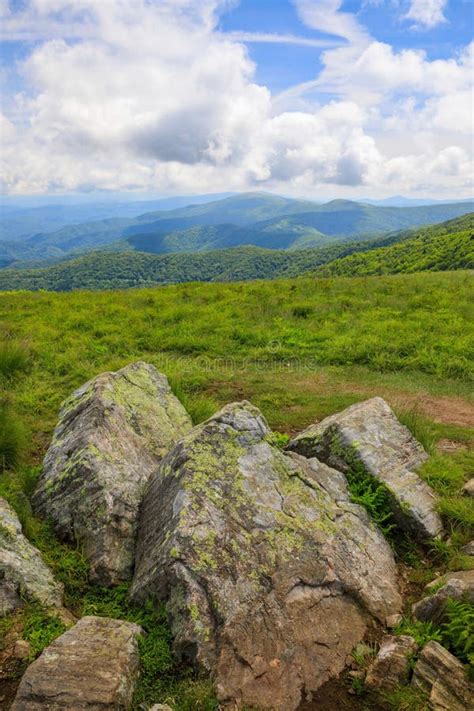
[318,98]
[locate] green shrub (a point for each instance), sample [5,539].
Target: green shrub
[422,632]
[14,358]
[407,698]
[458,631]
[162,678]
[373,496]
[12,437]
[40,628]
[278,439]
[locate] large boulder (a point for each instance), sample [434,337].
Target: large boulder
[368,436]
[23,572]
[111,436]
[271,574]
[457,585]
[91,667]
[441,676]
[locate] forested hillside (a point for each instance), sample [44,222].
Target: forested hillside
[109,270]
[440,248]
[437,248]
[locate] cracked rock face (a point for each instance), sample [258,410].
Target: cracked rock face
[270,573]
[441,676]
[23,573]
[92,667]
[112,434]
[369,435]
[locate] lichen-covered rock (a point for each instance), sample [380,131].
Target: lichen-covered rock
[270,572]
[369,435]
[391,666]
[441,676]
[91,667]
[111,436]
[454,586]
[23,572]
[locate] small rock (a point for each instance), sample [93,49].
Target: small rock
[370,435]
[441,676]
[468,488]
[22,649]
[393,620]
[92,666]
[457,586]
[161,707]
[22,569]
[468,549]
[391,666]
[112,434]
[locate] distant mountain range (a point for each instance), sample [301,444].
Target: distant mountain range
[249,219]
[440,247]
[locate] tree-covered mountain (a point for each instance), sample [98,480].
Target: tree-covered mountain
[442,247]
[259,219]
[110,270]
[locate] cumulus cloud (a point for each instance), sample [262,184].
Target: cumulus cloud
[152,95]
[427,13]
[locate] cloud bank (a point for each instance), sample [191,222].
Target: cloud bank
[151,95]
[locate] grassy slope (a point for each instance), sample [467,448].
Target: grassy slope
[300,349]
[444,247]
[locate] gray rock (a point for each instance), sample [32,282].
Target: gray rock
[93,666]
[370,435]
[468,549]
[270,572]
[23,573]
[391,666]
[468,488]
[457,586]
[441,676]
[111,436]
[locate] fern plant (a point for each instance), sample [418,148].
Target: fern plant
[458,630]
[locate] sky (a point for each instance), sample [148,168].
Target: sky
[312,98]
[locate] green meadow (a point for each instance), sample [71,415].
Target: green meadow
[299,349]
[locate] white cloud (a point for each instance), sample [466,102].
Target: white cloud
[151,95]
[325,15]
[427,13]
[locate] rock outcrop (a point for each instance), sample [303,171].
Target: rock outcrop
[368,435]
[271,573]
[391,666]
[111,436]
[91,667]
[454,586]
[23,572]
[441,676]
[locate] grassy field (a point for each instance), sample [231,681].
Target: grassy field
[299,349]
